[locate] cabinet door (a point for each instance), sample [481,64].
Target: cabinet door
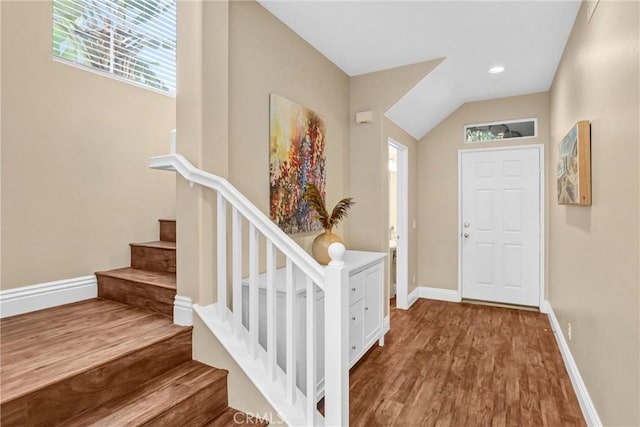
[372,303]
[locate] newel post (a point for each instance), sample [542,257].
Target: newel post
[336,347]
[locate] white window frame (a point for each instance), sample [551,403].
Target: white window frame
[501,122]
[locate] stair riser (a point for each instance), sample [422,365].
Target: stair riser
[64,399]
[154,298]
[197,409]
[153,259]
[167,231]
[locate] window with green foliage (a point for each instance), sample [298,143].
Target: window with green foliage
[130,39]
[495,131]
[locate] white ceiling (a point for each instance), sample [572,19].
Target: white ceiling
[527,37]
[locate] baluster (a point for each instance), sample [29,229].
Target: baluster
[336,343]
[290,349]
[236,222]
[253,291]
[311,353]
[222,256]
[272,348]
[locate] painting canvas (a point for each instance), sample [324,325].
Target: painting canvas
[297,141]
[574,166]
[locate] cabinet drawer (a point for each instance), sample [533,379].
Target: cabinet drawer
[355,314]
[356,287]
[355,343]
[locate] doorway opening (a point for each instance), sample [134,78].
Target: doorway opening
[398,182]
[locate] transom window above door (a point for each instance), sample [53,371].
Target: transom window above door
[505,129]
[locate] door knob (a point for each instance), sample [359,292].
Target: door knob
[466,235]
[466,225]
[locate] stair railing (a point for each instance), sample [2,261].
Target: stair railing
[277,383]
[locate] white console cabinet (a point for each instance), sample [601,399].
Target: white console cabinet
[366,293]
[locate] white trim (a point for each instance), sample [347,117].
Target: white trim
[541,159]
[182,311]
[45,295]
[255,369]
[586,404]
[439,294]
[402,244]
[386,325]
[413,297]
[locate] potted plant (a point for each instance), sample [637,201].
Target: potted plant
[320,246]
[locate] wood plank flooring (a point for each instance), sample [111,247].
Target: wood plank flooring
[449,364]
[48,346]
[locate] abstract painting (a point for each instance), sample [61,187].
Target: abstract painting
[574,166]
[297,140]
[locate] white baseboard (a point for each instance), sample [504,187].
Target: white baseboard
[45,295]
[413,297]
[182,311]
[439,294]
[586,404]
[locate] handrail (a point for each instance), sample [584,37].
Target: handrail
[278,383]
[263,223]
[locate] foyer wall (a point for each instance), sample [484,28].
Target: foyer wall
[593,274]
[438,178]
[76,187]
[267,57]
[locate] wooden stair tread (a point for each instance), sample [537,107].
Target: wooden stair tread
[155,397]
[233,417]
[154,278]
[48,346]
[157,244]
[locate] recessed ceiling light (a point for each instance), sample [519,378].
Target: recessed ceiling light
[496,70]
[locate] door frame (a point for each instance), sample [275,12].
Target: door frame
[541,183]
[402,244]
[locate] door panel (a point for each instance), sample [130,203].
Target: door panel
[500,194]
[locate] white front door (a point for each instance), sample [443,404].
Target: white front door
[500,230]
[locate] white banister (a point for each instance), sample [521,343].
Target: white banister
[336,348]
[221,248]
[271,312]
[311,353]
[253,291]
[236,230]
[290,349]
[289,292]
[176,162]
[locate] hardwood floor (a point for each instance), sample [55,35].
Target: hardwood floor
[450,364]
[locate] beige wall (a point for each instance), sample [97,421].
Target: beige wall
[438,179]
[594,281]
[391,130]
[368,150]
[267,57]
[76,187]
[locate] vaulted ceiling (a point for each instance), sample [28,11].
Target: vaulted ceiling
[526,37]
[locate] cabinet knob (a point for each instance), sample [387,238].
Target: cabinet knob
[353,317]
[366,308]
[353,347]
[353,289]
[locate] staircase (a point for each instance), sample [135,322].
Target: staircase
[115,360]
